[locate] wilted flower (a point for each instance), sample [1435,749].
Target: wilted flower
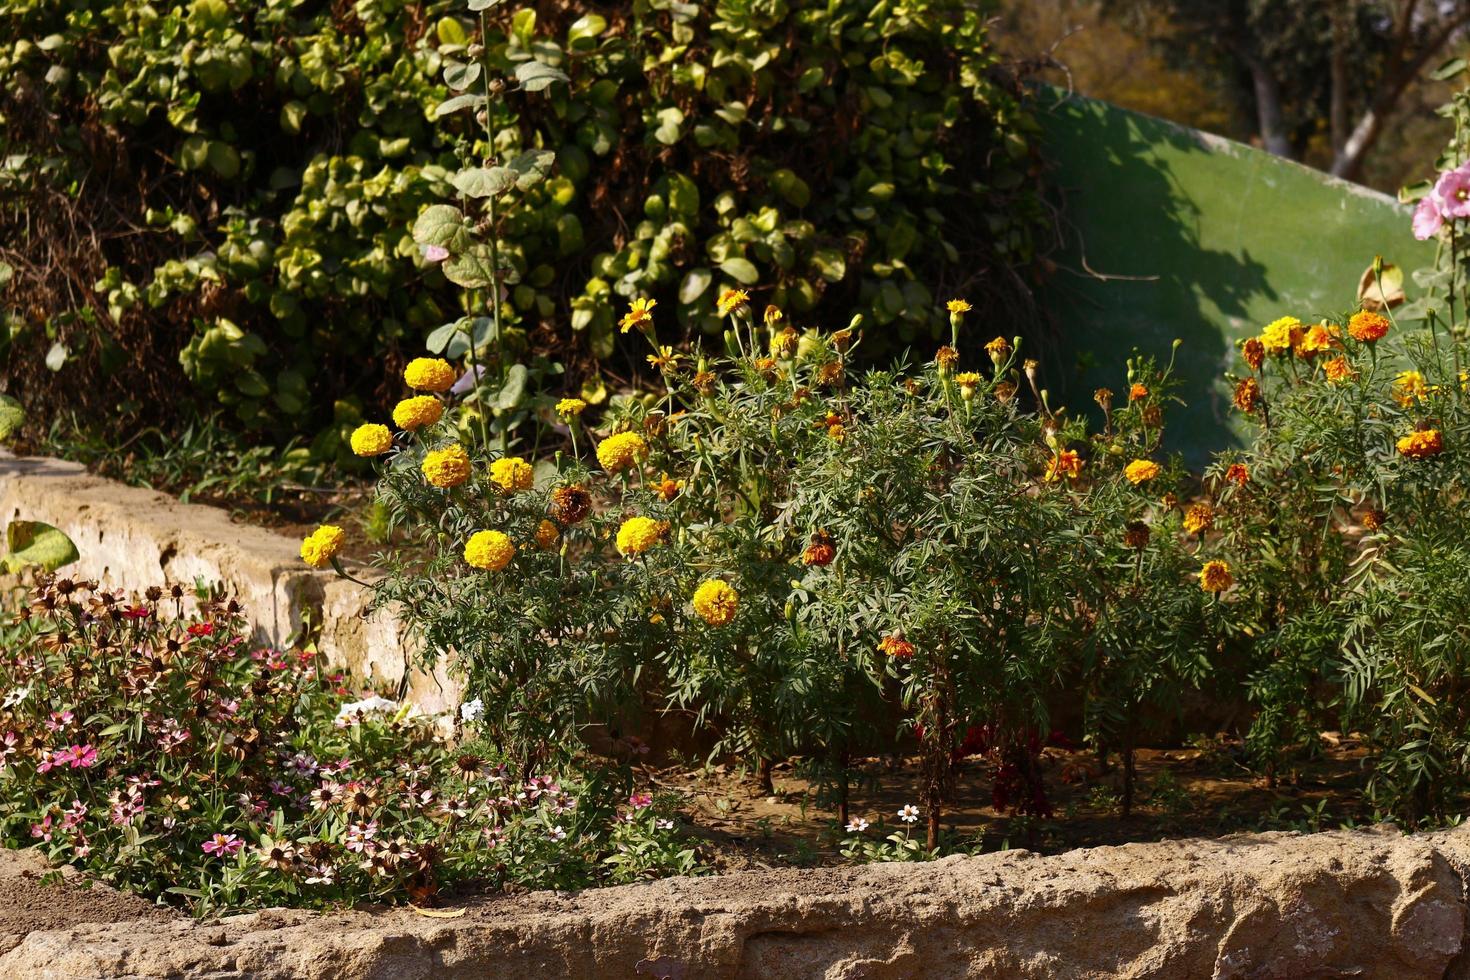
[1199,518]
[1215,576]
[570,504]
[1254,353]
[1247,394]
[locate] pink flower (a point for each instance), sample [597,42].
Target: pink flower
[1427,219]
[640,800]
[223,845]
[137,612]
[435,253]
[42,830]
[82,756]
[59,720]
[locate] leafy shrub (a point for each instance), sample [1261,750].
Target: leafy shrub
[162,753]
[223,194]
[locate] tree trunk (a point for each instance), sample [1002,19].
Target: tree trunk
[1269,118]
[1338,78]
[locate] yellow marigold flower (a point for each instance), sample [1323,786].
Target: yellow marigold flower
[1367,327]
[1066,463]
[417,412]
[1141,471]
[638,534]
[570,408]
[322,545]
[447,467]
[1422,444]
[704,382]
[784,344]
[958,307]
[547,535]
[429,374]
[1282,335]
[489,550]
[1215,576]
[1338,370]
[999,349]
[1254,353]
[773,315]
[371,439]
[1409,387]
[896,647]
[622,451]
[1318,339]
[732,300]
[967,381]
[945,359]
[640,314]
[715,601]
[1199,518]
[512,474]
[665,359]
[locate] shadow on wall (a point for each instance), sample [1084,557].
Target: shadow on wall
[1173,233]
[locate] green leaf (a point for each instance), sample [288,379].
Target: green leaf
[457,103]
[670,125]
[696,283]
[514,388]
[586,28]
[531,167]
[460,77]
[478,5]
[452,33]
[537,75]
[484,181]
[442,225]
[35,543]
[471,268]
[12,417]
[741,270]
[1449,69]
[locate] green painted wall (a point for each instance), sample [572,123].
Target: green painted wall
[1217,239]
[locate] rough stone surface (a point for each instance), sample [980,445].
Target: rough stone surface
[1371,905]
[132,538]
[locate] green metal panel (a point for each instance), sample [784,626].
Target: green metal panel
[1175,233]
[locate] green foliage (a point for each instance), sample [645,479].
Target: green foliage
[160,752]
[253,176]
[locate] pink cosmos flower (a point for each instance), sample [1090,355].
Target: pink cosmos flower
[1427,219]
[82,756]
[223,845]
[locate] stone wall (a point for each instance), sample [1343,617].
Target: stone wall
[1363,904]
[132,538]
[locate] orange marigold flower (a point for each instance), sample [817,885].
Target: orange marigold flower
[999,349]
[820,551]
[667,487]
[1422,444]
[1367,326]
[1247,394]
[547,535]
[1374,519]
[1066,463]
[896,647]
[1137,392]
[1254,353]
[1338,370]
[1215,576]
[1238,474]
[1318,339]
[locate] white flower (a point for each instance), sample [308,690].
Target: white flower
[365,707]
[909,813]
[857,825]
[663,823]
[472,710]
[556,833]
[15,697]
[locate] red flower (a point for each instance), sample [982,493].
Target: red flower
[201,629]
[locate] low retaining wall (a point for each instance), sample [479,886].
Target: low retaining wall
[1364,904]
[132,538]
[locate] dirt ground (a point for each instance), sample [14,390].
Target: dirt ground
[29,901]
[1202,791]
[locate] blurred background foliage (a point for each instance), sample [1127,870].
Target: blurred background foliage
[205,206]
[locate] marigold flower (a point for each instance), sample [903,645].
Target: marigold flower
[512,474]
[417,412]
[999,349]
[1374,519]
[1422,444]
[1318,339]
[1409,387]
[784,344]
[1215,577]
[665,358]
[640,314]
[622,451]
[1005,391]
[945,359]
[1199,518]
[732,300]
[1254,353]
[1104,398]
[1338,370]
[429,374]
[570,408]
[489,550]
[820,551]
[896,647]
[322,545]
[703,382]
[967,382]
[570,505]
[1368,327]
[958,307]
[1141,471]
[547,535]
[371,439]
[1238,474]
[667,487]
[773,315]
[447,467]
[1247,394]
[1136,535]
[1067,463]
[639,534]
[715,602]
[1137,392]
[1282,335]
